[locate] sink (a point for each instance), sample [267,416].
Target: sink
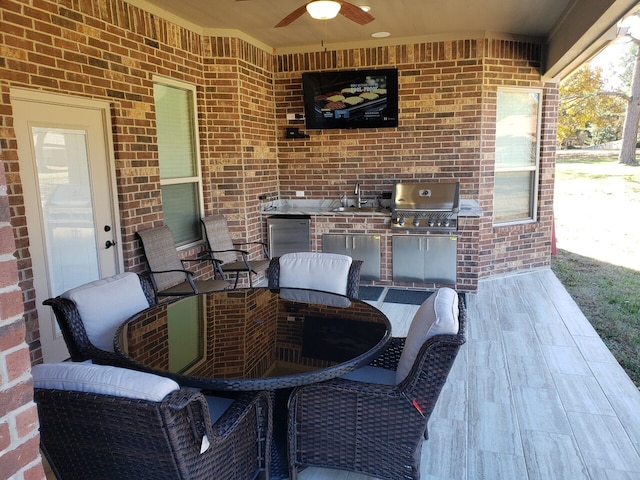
[355,209]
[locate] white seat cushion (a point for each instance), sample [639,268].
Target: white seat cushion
[107,380]
[327,272]
[106,303]
[438,315]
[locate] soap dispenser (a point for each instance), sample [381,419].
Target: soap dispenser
[344,201]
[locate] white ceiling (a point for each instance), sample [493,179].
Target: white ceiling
[544,20]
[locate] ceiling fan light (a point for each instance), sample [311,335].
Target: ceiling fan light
[323,9]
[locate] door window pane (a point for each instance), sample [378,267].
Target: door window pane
[67,210]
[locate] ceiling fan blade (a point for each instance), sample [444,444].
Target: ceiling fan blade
[355,13]
[297,13]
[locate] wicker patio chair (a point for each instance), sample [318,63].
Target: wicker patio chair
[226,254]
[328,272]
[110,423]
[373,421]
[168,275]
[90,314]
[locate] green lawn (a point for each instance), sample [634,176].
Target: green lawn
[598,256]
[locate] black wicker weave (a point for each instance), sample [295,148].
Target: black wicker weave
[368,428]
[353,281]
[74,334]
[93,436]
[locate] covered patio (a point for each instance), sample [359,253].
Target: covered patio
[534,393]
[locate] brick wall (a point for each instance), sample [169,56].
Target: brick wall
[446,131]
[19,454]
[111,51]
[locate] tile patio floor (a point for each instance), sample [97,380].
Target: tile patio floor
[534,393]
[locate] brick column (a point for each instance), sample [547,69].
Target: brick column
[19,454]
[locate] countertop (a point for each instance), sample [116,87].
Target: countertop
[468,208]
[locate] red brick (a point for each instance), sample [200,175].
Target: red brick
[17,363]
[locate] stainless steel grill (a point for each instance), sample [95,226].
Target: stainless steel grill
[425,206]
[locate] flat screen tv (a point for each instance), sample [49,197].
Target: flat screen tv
[351,98]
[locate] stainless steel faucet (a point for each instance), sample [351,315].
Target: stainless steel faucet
[358,192]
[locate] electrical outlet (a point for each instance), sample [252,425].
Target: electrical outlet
[291,116]
[299,193]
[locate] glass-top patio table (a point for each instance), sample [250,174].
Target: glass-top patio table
[255,339]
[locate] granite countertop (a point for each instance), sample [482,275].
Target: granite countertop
[468,208]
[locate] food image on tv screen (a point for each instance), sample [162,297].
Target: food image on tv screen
[349,100]
[366,98]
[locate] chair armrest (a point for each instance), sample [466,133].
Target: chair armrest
[204,259]
[265,248]
[239,409]
[75,335]
[243,252]
[186,272]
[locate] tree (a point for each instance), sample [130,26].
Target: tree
[589,114]
[627,153]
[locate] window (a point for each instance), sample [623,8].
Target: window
[179,155]
[517,154]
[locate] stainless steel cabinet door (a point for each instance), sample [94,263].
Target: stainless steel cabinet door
[425,258]
[288,235]
[359,247]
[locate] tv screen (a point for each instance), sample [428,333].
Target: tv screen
[351,98]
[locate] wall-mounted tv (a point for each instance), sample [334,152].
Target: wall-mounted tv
[351,98]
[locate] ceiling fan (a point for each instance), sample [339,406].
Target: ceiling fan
[349,10]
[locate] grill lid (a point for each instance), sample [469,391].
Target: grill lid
[425,198]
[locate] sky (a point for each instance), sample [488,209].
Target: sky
[610,59]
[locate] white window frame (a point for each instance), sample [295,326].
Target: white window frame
[197,180]
[534,168]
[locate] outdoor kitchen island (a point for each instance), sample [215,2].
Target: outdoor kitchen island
[370,228]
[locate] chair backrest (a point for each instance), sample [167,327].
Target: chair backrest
[327,272]
[438,315]
[90,314]
[161,254]
[219,238]
[104,304]
[106,422]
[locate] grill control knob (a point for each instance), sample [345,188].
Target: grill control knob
[446,222]
[416,222]
[401,221]
[431,223]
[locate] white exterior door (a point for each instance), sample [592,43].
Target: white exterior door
[68,179]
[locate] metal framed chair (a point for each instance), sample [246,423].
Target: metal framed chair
[104,422]
[168,275]
[328,272]
[373,421]
[90,314]
[226,255]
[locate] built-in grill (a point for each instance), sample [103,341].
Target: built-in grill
[429,206]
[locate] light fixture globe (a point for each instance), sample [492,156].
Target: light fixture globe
[323,9]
